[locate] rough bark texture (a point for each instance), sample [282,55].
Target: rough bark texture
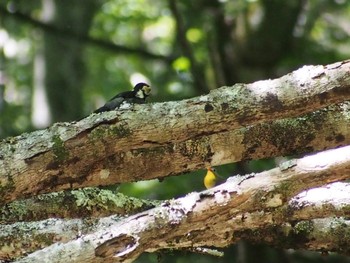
[266,207]
[162,139]
[304,111]
[87,202]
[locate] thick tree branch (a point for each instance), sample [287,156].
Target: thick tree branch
[322,234]
[157,140]
[87,202]
[242,207]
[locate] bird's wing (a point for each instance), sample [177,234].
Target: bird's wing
[114,103]
[118,99]
[125,94]
[101,109]
[111,104]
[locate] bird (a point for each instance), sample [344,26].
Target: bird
[210,178]
[138,95]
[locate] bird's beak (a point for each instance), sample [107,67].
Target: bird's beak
[146,90]
[212,169]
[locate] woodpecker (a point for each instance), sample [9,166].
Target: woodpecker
[136,96]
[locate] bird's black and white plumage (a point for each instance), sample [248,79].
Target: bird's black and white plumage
[136,96]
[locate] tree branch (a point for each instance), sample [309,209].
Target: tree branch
[157,140]
[87,202]
[242,207]
[66,33]
[322,234]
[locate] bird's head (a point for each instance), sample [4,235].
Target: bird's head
[142,90]
[211,169]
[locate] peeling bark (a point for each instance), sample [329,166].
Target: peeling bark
[304,111]
[264,207]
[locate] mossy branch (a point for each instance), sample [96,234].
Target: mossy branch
[292,114]
[269,204]
[81,203]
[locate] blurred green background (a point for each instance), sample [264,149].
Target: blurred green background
[61,59]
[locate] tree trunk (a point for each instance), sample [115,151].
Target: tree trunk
[65,70]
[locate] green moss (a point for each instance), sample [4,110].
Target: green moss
[153,151]
[346,209]
[83,197]
[341,233]
[59,149]
[289,134]
[284,188]
[48,197]
[283,213]
[14,211]
[94,198]
[303,228]
[45,239]
[6,188]
[121,131]
[97,133]
[197,148]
